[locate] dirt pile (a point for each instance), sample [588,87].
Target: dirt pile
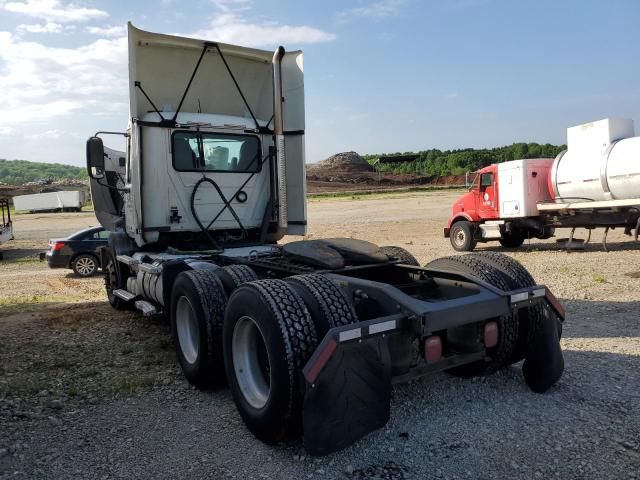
[340,163]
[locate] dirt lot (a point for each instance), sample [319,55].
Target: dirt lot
[87,392]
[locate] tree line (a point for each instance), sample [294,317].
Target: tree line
[17,172]
[457,162]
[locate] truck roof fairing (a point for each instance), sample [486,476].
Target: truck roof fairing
[161,66]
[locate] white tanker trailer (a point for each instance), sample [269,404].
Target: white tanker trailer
[594,183]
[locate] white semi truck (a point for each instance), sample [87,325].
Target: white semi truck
[310,335]
[594,183]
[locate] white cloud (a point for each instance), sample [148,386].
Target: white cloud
[232,5]
[54,11]
[113,31]
[453,95]
[377,9]
[49,27]
[232,28]
[39,83]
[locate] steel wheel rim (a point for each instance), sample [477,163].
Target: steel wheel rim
[85,265]
[459,236]
[252,370]
[187,329]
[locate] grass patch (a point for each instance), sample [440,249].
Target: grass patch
[600,279]
[126,349]
[133,384]
[356,195]
[21,385]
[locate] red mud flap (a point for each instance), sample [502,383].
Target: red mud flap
[349,397]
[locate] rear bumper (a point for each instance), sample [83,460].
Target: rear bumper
[56,261]
[349,376]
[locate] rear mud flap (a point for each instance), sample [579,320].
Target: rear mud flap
[544,364]
[350,398]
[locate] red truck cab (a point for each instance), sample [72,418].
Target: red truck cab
[480,203]
[502,205]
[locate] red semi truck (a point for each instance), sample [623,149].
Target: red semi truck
[594,183]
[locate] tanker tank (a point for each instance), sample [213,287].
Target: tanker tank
[602,162]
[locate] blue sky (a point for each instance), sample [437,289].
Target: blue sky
[380,75]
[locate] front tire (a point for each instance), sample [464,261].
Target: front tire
[85,265]
[461,236]
[268,337]
[111,283]
[198,302]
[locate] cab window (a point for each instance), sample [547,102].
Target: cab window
[215,152]
[486,180]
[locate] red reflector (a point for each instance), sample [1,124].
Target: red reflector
[433,349]
[321,361]
[56,246]
[491,334]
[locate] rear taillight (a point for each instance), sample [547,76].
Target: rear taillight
[491,334]
[55,246]
[433,349]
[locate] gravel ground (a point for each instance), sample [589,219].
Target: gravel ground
[88,392]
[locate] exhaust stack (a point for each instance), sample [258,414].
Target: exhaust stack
[278,123]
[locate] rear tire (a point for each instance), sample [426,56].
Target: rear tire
[327,303]
[268,316]
[531,317]
[232,276]
[399,253]
[85,265]
[508,326]
[198,302]
[461,236]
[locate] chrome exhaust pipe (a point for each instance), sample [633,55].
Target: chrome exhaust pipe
[278,130]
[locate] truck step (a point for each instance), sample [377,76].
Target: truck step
[125,295]
[127,260]
[148,268]
[490,230]
[148,309]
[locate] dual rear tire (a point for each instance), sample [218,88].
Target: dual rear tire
[258,336]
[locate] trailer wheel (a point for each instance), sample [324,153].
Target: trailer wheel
[461,236]
[399,253]
[198,303]
[508,326]
[512,239]
[268,337]
[232,276]
[327,303]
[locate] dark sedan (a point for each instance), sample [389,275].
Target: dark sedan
[78,252]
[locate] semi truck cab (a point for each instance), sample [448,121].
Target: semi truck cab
[501,205]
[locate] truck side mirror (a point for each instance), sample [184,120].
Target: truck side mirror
[95,157]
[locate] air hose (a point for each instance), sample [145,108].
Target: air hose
[227,204]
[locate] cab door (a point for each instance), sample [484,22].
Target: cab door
[487,196]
